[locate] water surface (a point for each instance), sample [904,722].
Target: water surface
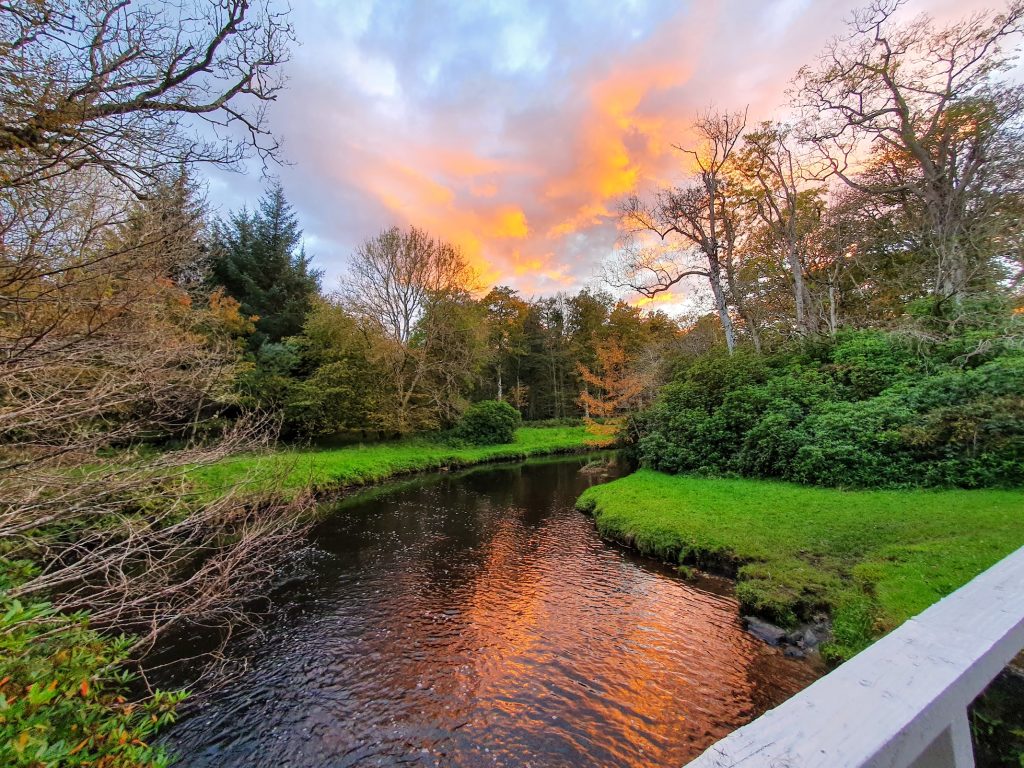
[478,620]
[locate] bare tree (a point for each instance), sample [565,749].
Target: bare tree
[785,204]
[101,350]
[93,321]
[135,88]
[411,293]
[135,544]
[915,113]
[700,217]
[107,347]
[393,275]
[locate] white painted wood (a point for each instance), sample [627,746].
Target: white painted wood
[952,749]
[963,748]
[901,698]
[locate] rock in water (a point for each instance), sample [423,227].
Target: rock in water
[763,630]
[810,639]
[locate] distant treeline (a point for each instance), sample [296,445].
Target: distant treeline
[409,339]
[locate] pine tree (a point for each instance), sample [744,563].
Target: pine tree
[259,260]
[167,230]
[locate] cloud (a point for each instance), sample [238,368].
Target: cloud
[515,128]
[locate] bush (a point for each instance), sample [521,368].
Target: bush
[863,411]
[488,422]
[63,693]
[868,361]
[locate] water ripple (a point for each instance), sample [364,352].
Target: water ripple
[478,620]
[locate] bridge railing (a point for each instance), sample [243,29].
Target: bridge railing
[901,703]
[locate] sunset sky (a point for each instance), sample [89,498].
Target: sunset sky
[513,128]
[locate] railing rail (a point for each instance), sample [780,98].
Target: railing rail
[901,703]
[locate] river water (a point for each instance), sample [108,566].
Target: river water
[477,619]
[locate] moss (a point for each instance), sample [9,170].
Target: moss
[685,572]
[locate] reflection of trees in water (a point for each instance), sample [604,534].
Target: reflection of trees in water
[481,611]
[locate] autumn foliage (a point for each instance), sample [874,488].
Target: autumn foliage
[613,389]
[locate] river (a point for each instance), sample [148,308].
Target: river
[476,619]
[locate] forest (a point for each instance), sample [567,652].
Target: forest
[412,339]
[852,282]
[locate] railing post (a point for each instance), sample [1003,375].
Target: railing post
[952,748]
[903,701]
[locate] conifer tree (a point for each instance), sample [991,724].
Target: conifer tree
[259,260]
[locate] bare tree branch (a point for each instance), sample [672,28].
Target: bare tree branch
[136,89]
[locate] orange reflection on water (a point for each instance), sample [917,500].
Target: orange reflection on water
[480,621]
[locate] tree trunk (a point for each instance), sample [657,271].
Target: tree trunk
[812,318]
[715,278]
[755,334]
[796,269]
[833,313]
[741,306]
[403,412]
[951,281]
[554,386]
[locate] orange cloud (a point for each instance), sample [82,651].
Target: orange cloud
[614,144]
[404,185]
[666,297]
[525,173]
[534,271]
[511,223]
[484,190]
[623,141]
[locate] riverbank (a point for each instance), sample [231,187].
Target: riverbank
[475,618]
[328,469]
[871,559]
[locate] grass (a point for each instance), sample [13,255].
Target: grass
[871,559]
[364,464]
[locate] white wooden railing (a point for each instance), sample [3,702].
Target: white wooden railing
[902,703]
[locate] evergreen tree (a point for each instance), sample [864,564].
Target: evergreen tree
[259,260]
[167,230]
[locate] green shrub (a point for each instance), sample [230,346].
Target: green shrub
[488,422]
[63,694]
[332,400]
[863,411]
[869,361]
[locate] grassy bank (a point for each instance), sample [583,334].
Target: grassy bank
[870,558]
[354,465]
